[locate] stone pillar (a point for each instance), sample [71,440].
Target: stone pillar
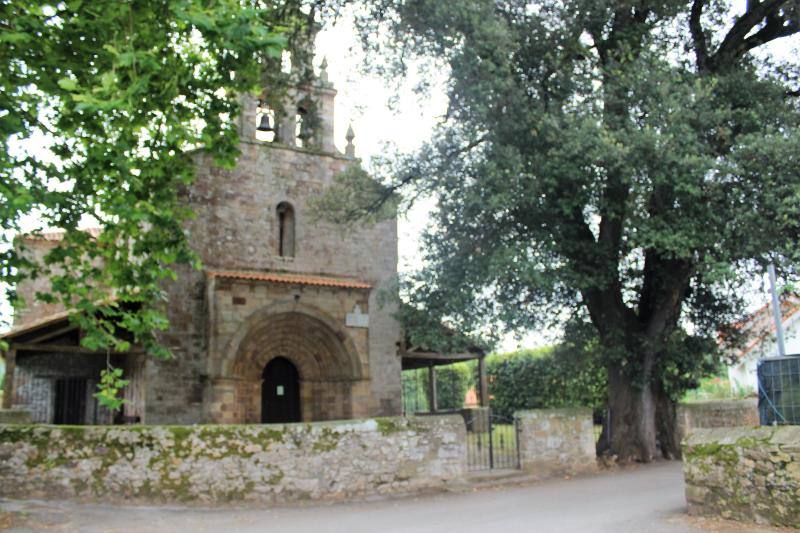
[247,117]
[8,382]
[286,124]
[556,442]
[221,400]
[484,386]
[325,97]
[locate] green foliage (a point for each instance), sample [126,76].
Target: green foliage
[110,387]
[415,396]
[715,388]
[430,333]
[632,163]
[686,362]
[103,103]
[452,384]
[544,378]
[355,196]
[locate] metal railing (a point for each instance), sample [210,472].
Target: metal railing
[492,441]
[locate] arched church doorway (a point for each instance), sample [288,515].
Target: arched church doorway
[322,356]
[280,392]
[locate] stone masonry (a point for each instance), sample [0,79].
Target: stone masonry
[228,320]
[554,442]
[236,464]
[716,414]
[744,473]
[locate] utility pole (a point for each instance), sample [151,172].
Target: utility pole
[776,311]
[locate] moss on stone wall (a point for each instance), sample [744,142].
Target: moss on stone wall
[327,440]
[744,473]
[219,462]
[388,426]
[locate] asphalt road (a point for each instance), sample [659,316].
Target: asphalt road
[643,499]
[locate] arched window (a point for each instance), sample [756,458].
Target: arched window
[285,213]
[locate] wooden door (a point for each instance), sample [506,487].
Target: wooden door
[70,401]
[280,392]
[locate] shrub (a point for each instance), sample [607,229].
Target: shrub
[452,383]
[544,378]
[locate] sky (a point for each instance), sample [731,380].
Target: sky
[363,102]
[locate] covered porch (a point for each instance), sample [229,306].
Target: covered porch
[52,377]
[416,358]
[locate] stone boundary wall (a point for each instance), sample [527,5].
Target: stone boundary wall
[749,474]
[233,463]
[15,416]
[716,414]
[555,442]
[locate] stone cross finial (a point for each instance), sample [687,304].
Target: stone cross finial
[350,149]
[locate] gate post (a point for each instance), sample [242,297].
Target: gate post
[491,444]
[484,388]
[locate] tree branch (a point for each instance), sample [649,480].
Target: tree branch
[389,191]
[698,35]
[736,43]
[775,28]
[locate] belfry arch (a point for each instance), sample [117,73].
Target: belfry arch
[326,360]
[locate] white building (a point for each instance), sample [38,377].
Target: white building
[762,342]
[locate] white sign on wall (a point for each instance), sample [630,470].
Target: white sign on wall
[357,319]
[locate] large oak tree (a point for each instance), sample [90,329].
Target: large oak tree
[635,162]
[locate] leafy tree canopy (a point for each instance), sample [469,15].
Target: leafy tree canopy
[632,162]
[102,104]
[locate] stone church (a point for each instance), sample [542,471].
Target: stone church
[287,320]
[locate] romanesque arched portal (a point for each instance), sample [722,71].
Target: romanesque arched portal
[324,356]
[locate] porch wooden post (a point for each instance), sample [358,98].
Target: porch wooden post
[432,388]
[483,385]
[8,382]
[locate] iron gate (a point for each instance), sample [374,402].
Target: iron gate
[492,441]
[70,401]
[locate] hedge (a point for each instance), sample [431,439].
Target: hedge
[543,378]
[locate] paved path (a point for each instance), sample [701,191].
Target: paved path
[643,499]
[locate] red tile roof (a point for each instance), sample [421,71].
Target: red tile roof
[760,325]
[292,279]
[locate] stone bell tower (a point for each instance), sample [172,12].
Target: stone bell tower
[289,320]
[306,120]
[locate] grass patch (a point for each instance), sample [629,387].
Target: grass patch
[716,388]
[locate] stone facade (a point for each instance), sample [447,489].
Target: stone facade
[236,464]
[716,414]
[749,474]
[554,442]
[323,307]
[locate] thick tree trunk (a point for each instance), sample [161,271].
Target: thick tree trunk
[667,426]
[632,412]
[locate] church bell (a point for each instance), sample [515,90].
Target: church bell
[265,124]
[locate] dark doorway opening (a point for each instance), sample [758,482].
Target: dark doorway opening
[280,392]
[70,401]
